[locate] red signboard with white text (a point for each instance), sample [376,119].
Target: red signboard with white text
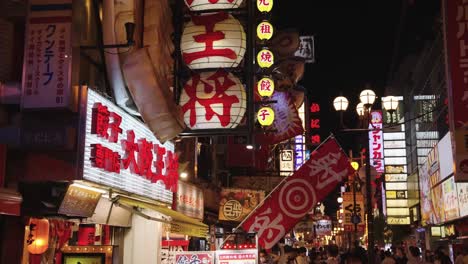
[121,152]
[47,55]
[297,194]
[456,52]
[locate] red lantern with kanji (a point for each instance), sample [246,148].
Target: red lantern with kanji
[214,40]
[38,238]
[200,5]
[211,100]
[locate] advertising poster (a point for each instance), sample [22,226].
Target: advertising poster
[47,56]
[236,256]
[236,204]
[437,215]
[449,192]
[425,194]
[462,188]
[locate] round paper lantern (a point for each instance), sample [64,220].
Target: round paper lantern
[214,40]
[211,100]
[38,238]
[264,5]
[200,5]
[266,116]
[265,87]
[265,58]
[265,30]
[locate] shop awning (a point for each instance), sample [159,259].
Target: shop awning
[180,223]
[10,202]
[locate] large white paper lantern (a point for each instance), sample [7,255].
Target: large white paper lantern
[200,5]
[214,40]
[214,99]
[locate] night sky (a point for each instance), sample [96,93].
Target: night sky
[356,43]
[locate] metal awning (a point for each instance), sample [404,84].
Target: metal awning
[180,223]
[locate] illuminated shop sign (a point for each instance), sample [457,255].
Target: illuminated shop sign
[299,158]
[286,162]
[121,152]
[376,141]
[314,126]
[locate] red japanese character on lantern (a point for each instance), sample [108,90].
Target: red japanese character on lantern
[213,100]
[130,147]
[215,40]
[199,5]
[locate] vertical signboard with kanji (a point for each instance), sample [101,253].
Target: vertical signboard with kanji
[47,55]
[313,139]
[456,51]
[121,152]
[353,210]
[376,147]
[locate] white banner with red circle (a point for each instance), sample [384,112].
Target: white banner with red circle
[297,194]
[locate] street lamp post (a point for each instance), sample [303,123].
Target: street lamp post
[367,98]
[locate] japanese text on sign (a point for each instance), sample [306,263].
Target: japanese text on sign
[142,157]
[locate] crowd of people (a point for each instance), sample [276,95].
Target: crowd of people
[332,254]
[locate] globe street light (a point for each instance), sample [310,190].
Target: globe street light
[363,109]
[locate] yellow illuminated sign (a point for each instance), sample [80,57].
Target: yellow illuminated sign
[265,58]
[265,116]
[265,87]
[265,30]
[264,5]
[391,194]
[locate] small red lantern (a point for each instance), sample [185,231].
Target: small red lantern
[200,5]
[38,238]
[213,40]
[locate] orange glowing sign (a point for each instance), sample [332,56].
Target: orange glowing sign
[265,30]
[265,87]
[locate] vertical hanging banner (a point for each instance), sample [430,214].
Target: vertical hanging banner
[47,55]
[456,52]
[376,141]
[297,194]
